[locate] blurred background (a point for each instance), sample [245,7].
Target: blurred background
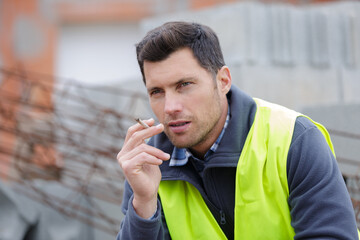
[70,87]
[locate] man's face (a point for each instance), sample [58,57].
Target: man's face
[186,99]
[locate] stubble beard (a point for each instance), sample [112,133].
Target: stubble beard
[201,131]
[193,138]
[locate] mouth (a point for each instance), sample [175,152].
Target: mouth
[179,126]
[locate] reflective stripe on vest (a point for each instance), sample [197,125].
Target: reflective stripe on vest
[261,190]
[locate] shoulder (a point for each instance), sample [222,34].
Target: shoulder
[302,124]
[319,202]
[309,152]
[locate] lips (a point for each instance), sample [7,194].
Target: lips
[178,126]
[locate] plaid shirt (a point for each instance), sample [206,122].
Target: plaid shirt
[180,156]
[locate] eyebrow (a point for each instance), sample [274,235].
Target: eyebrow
[185,79]
[181,80]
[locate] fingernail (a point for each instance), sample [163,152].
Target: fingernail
[160,125]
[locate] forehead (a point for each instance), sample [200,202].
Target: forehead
[179,64]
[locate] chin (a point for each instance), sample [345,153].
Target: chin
[180,144]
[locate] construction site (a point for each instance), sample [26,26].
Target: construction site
[70,88]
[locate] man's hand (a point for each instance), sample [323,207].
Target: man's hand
[140,163]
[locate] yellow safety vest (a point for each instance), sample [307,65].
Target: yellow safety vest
[261,192]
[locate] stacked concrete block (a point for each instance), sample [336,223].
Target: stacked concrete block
[342,121]
[303,57]
[296,56]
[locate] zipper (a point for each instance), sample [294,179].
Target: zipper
[220,211]
[222,218]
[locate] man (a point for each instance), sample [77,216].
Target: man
[222,165]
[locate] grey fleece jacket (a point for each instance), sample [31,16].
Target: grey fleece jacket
[319,203]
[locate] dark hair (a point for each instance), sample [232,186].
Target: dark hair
[160,42]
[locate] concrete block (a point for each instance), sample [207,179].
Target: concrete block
[351,85]
[341,120]
[291,87]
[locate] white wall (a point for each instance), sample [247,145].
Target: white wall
[98,53]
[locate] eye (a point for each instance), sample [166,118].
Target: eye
[155,92]
[184,84]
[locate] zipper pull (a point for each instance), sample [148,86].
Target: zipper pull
[222,217]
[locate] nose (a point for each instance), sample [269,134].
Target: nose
[172,104]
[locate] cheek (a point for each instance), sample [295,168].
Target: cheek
[158,110]
[204,102]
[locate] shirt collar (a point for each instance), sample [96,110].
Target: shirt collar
[180,156]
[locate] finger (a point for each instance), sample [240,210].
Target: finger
[137,127]
[139,161]
[139,137]
[143,148]
[136,164]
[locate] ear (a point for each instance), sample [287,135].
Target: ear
[223,78]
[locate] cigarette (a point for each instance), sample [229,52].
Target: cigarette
[141,123]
